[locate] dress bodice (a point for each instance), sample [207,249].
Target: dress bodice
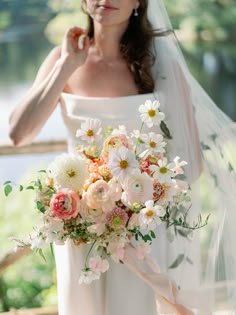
[113,111]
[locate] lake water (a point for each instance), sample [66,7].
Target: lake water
[213,65]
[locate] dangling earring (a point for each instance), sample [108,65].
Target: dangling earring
[136,12]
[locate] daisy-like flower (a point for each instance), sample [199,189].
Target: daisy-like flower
[178,165]
[149,216]
[112,142]
[155,142]
[68,171]
[90,130]
[163,171]
[150,114]
[117,218]
[122,162]
[137,188]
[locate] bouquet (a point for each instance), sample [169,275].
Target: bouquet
[113,191]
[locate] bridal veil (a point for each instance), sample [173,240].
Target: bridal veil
[203,264]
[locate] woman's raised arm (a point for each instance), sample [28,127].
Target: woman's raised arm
[29,116]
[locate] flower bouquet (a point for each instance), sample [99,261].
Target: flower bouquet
[113,191]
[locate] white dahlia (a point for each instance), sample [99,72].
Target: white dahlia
[68,171]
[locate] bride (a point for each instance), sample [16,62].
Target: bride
[127,55]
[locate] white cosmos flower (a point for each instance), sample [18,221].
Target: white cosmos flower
[68,171]
[150,114]
[155,142]
[149,216]
[163,171]
[122,162]
[90,130]
[120,130]
[137,188]
[88,276]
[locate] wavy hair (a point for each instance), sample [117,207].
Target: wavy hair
[135,47]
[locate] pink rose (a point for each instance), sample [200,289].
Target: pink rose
[65,204]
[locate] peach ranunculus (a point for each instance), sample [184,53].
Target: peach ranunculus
[114,142]
[98,196]
[138,188]
[65,204]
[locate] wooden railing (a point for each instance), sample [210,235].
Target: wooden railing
[34,311]
[34,148]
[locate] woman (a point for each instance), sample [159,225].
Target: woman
[108,75]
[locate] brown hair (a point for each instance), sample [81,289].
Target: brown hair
[135,47]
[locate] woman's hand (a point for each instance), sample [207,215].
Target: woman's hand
[74,49]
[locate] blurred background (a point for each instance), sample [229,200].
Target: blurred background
[28,30]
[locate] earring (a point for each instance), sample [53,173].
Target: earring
[136,12]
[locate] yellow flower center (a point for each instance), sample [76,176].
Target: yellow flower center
[90,132]
[152,144]
[163,170]
[149,213]
[152,112]
[123,164]
[71,173]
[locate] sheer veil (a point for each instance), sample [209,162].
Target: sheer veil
[205,137]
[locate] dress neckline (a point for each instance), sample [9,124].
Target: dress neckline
[76,96]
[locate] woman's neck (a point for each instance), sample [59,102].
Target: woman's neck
[107,41]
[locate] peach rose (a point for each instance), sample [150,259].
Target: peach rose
[65,204]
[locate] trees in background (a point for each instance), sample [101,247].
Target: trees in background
[205,18]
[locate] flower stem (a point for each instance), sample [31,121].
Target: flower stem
[137,141]
[87,256]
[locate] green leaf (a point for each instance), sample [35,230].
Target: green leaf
[51,248]
[7,189]
[40,207]
[165,130]
[21,188]
[153,235]
[30,187]
[42,171]
[147,238]
[230,167]
[177,261]
[40,251]
[205,146]
[189,261]
[7,182]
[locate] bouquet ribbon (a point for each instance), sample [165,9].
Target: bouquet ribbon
[165,289]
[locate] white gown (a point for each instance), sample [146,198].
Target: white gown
[119,291]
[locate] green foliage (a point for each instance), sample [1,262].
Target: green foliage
[31,282]
[208,19]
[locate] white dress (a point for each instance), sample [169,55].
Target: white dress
[119,291]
